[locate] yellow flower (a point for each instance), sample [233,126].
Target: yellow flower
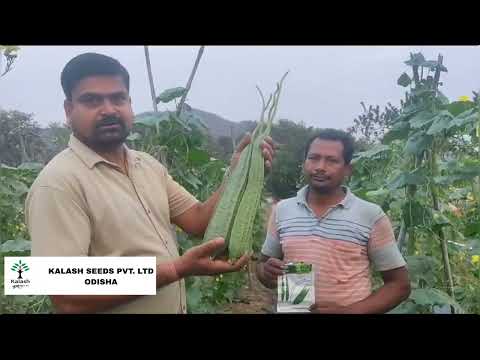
[464,98]
[475,259]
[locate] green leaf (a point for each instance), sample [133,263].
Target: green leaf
[181,120]
[377,149]
[416,59]
[459,172]
[472,228]
[415,214]
[170,94]
[442,98]
[457,107]
[377,193]
[420,119]
[190,118]
[398,131]
[5,190]
[439,218]
[6,167]
[194,296]
[412,109]
[422,297]
[15,246]
[441,122]
[422,268]
[152,120]
[466,117]
[406,307]
[404,80]
[403,179]
[197,157]
[431,297]
[19,187]
[417,143]
[451,179]
[421,91]
[443,180]
[195,117]
[31,166]
[192,180]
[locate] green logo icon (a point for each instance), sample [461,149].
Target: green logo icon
[20,268]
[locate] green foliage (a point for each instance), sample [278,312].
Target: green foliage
[404,80]
[372,153]
[431,152]
[398,131]
[415,177]
[170,94]
[182,149]
[14,238]
[283,182]
[417,143]
[8,54]
[425,301]
[20,139]
[370,126]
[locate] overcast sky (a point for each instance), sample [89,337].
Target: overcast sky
[324,87]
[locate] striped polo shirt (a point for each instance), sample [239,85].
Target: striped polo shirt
[341,244]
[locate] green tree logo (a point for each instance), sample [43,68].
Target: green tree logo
[20,268]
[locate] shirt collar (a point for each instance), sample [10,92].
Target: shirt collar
[91,158]
[345,203]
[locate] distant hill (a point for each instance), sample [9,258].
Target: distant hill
[217,125]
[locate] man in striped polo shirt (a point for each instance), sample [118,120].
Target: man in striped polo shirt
[340,234]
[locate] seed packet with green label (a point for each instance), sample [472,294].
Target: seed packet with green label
[295,288]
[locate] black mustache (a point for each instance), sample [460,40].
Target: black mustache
[111,120]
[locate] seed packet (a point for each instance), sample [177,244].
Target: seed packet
[295,288]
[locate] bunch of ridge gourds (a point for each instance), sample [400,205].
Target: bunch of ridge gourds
[235,212]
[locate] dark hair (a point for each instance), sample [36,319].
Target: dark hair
[90,64]
[336,135]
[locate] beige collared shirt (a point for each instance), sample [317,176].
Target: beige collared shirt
[83,205]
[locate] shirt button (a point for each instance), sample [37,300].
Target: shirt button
[148,211]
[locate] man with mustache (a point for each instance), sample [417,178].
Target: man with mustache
[100,198]
[340,234]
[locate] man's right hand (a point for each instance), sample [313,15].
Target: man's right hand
[271,270]
[198,260]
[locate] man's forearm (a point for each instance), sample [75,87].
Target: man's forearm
[383,300]
[76,304]
[204,212]
[207,208]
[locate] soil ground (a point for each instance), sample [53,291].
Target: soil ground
[254,298]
